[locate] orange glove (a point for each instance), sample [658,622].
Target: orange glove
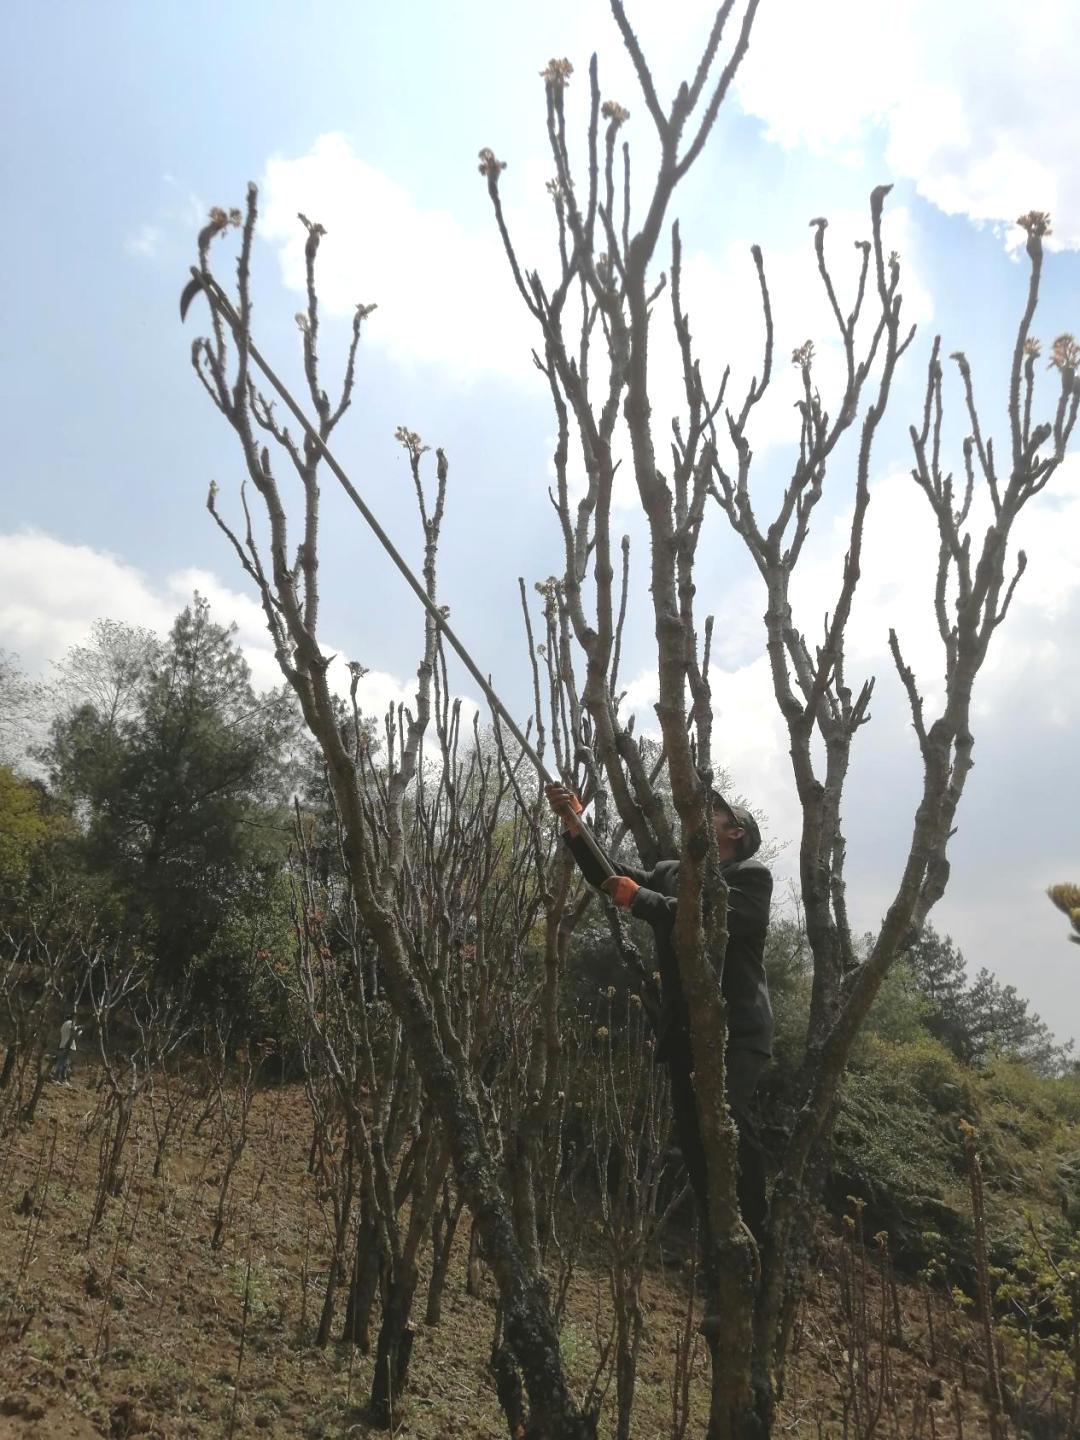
[565,805]
[621,889]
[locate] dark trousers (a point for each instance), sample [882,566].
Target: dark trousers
[744,1070]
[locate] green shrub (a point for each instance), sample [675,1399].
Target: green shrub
[892,1147]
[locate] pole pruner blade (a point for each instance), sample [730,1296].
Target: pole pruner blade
[191,289]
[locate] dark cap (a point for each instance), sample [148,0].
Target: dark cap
[751,840]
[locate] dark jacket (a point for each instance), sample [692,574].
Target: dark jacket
[744,987]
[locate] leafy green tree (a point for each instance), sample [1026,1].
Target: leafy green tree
[1067,899]
[941,974]
[177,771]
[1001,1019]
[28,823]
[977,1018]
[22,824]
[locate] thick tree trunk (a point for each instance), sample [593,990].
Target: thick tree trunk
[508,1388]
[218,1238]
[115,1180]
[367,1264]
[444,1224]
[475,1260]
[628,1338]
[326,1319]
[393,1350]
[30,1108]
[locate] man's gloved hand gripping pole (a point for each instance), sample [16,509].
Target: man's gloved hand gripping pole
[566,805]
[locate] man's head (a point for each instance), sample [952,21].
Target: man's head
[737,833]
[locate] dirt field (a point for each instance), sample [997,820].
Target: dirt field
[138,1331]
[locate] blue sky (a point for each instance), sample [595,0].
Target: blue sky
[126,121]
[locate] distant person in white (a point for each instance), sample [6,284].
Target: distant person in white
[69,1034]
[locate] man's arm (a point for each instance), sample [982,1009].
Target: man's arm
[567,807]
[651,906]
[749,899]
[589,866]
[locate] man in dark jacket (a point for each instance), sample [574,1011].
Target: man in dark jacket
[650,895]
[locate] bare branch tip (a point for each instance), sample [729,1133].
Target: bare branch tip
[490,166]
[616,113]
[804,355]
[311,226]
[556,74]
[1065,354]
[1036,223]
[410,441]
[217,221]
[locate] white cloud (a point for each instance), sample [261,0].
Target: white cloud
[146,242]
[639,697]
[1034,668]
[896,589]
[179,215]
[750,741]
[975,98]
[51,592]
[986,130]
[445,295]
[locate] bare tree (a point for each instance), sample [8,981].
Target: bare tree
[234,1074]
[597,317]
[476,877]
[18,709]
[39,974]
[630,1149]
[373,1136]
[285,573]
[52,951]
[116,980]
[106,673]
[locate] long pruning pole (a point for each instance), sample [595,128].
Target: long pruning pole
[220,301]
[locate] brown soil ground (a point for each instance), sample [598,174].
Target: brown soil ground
[137,1332]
